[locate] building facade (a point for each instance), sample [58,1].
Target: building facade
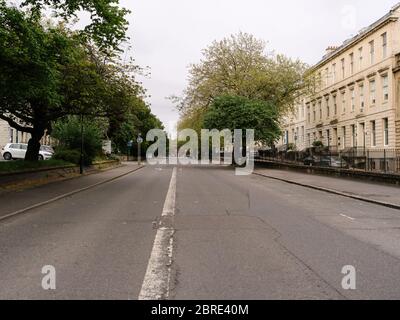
[11,135]
[357,99]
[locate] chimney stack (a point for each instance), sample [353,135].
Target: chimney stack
[330,50]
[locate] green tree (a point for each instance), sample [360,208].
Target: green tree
[30,73]
[234,112]
[108,21]
[240,66]
[47,73]
[68,134]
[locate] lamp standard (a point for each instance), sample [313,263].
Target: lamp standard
[139,142]
[82,147]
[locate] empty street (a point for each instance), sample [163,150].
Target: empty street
[233,237]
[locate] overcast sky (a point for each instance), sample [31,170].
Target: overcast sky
[168,35]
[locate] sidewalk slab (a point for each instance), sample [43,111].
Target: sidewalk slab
[373,191]
[15,201]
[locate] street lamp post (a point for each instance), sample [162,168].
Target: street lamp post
[82,147]
[139,142]
[129,149]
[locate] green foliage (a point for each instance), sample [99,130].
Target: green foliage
[233,112]
[68,134]
[48,72]
[318,144]
[239,66]
[71,156]
[108,23]
[138,119]
[21,166]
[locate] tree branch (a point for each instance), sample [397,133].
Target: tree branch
[15,125]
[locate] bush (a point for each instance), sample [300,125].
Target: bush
[72,156]
[318,144]
[68,134]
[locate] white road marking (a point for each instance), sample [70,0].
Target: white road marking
[156,283]
[343,215]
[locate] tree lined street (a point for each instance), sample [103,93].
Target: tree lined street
[101,200]
[235,238]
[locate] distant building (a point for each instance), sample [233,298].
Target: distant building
[357,103]
[11,135]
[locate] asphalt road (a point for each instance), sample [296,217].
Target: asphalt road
[234,238]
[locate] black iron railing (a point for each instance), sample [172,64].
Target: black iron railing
[358,158]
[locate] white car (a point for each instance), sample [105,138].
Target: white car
[18,151]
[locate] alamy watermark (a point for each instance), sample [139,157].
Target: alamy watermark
[349,281]
[49,279]
[212,147]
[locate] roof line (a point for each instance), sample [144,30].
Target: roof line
[347,43]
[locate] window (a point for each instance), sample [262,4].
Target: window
[343,69]
[314,113]
[353,100]
[343,102]
[327,77]
[386,131]
[344,137]
[320,109]
[334,72]
[385,87]
[335,105]
[302,134]
[373,134]
[308,114]
[352,63]
[328,109]
[319,79]
[353,136]
[360,59]
[372,51]
[372,90]
[362,101]
[384,45]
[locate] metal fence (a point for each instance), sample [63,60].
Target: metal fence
[374,160]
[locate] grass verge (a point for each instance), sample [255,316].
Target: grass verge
[22,166]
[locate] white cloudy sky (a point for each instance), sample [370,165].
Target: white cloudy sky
[168,35]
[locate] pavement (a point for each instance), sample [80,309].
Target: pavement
[374,191]
[14,201]
[233,237]
[98,240]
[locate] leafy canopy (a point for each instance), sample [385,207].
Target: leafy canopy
[234,112]
[239,66]
[48,73]
[108,21]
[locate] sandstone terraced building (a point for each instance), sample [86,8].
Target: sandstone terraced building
[357,103]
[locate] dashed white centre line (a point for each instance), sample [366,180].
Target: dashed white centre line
[347,217]
[156,283]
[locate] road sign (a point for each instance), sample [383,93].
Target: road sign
[140,140]
[130,144]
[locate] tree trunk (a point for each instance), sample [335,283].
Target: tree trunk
[32,154]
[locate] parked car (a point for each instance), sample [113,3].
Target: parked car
[333,162]
[47,149]
[18,151]
[310,161]
[325,161]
